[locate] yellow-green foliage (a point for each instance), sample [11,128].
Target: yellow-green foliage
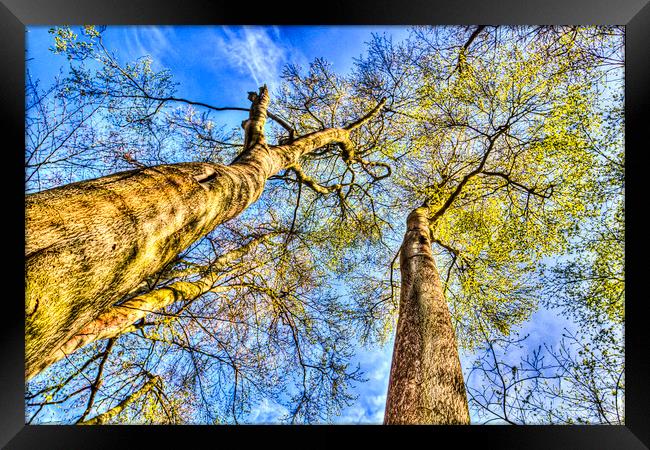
[533,116]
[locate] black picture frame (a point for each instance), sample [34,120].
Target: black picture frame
[16,14]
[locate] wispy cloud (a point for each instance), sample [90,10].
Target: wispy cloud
[257,52]
[153,41]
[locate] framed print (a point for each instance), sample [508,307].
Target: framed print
[404,217]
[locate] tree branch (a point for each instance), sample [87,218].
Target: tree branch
[467,177]
[546,193]
[464,48]
[356,124]
[163,100]
[108,415]
[98,378]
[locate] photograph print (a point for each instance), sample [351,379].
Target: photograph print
[324,225]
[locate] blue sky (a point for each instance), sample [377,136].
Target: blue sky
[218,66]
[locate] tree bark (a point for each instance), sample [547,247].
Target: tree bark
[426,381]
[90,244]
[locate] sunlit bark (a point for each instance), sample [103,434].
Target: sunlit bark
[426,381]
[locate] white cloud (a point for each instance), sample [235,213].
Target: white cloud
[371,401]
[154,41]
[266,412]
[257,52]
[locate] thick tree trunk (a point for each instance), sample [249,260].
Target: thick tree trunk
[426,381]
[89,244]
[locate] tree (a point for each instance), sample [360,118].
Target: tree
[300,333]
[257,336]
[502,165]
[103,237]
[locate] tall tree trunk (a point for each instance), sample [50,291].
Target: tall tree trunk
[426,381]
[89,244]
